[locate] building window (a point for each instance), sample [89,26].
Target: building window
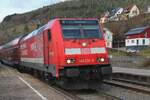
[143,41]
[132,41]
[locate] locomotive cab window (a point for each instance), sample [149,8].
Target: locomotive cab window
[80,29]
[49,34]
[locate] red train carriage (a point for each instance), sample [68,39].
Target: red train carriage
[69,50]
[9,53]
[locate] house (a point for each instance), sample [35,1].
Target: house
[147,10]
[113,16]
[137,39]
[131,11]
[120,13]
[108,37]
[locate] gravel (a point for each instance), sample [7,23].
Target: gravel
[123,93]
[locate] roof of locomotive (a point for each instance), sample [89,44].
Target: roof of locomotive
[77,19]
[50,23]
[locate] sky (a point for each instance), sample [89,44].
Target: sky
[8,7]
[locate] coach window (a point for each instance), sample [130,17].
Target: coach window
[49,34]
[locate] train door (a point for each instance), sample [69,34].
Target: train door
[47,38]
[48,53]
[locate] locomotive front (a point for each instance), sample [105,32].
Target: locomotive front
[84,54]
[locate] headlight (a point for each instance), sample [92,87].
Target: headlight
[84,44]
[70,61]
[100,60]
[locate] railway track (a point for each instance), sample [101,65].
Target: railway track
[145,84]
[66,94]
[131,85]
[78,95]
[109,96]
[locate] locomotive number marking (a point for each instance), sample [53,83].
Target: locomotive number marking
[86,60]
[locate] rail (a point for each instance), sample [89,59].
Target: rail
[129,85]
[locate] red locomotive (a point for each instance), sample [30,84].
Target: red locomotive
[68,50]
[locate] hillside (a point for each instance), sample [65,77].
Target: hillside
[17,24]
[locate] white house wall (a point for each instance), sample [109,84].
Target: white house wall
[108,37]
[119,12]
[133,42]
[131,14]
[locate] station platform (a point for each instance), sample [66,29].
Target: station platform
[133,71]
